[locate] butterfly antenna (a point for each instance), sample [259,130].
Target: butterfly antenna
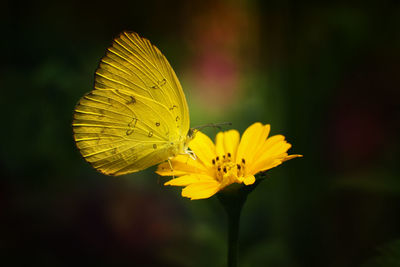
[214,125]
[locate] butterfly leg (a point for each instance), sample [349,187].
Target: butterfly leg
[172,169]
[191,154]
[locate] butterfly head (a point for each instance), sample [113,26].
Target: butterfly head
[190,135]
[181,146]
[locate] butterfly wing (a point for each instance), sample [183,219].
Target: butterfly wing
[136,110]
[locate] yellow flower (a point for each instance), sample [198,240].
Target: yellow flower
[229,161]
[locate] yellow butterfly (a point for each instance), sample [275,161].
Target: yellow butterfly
[137,115]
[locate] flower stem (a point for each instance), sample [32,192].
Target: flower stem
[232,199]
[233,203]
[233,233]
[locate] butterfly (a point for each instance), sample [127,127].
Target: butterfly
[137,115]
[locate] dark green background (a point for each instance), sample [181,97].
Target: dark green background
[326,75]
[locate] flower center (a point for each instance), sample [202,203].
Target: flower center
[226,170]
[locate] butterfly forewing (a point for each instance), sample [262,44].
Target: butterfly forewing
[135,111]
[134,64]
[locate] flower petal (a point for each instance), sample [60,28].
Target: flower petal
[164,169]
[203,148]
[249,179]
[231,142]
[266,164]
[250,144]
[201,190]
[277,147]
[189,179]
[219,144]
[271,162]
[292,157]
[267,144]
[181,164]
[274,148]
[247,140]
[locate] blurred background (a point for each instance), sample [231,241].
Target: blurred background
[325,75]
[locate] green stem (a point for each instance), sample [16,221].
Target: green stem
[233,233]
[232,199]
[233,203]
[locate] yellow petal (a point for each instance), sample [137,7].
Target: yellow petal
[259,140]
[231,142]
[164,169]
[266,145]
[219,144]
[181,164]
[255,135]
[249,179]
[187,163]
[278,148]
[271,162]
[264,165]
[201,190]
[273,140]
[292,157]
[246,140]
[188,179]
[274,148]
[203,148]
